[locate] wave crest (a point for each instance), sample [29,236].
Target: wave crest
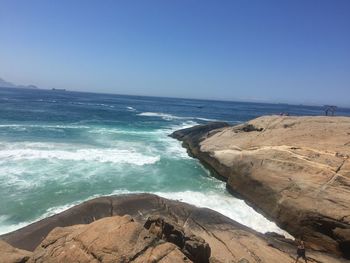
[90,155]
[169,117]
[129,108]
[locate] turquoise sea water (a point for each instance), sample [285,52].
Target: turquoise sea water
[60,148]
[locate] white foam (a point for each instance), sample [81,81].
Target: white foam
[173,147]
[44,126]
[95,155]
[105,105]
[206,119]
[164,116]
[170,147]
[224,203]
[183,125]
[92,104]
[59,209]
[131,108]
[37,145]
[229,206]
[123,131]
[6,228]
[169,117]
[42,100]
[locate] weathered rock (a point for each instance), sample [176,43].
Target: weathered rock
[111,239]
[195,248]
[295,170]
[229,241]
[9,254]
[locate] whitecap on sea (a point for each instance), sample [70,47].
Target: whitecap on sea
[95,155]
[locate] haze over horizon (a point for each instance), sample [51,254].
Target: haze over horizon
[263,51]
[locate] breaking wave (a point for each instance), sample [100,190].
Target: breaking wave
[170,117]
[131,108]
[91,155]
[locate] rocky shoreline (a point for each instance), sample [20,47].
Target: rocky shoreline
[294,170]
[141,227]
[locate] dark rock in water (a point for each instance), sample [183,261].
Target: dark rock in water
[294,170]
[190,227]
[195,133]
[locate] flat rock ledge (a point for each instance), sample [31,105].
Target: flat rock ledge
[294,170]
[145,228]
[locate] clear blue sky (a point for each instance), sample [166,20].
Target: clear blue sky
[294,51]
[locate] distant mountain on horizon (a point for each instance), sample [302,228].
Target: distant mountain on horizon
[7,84]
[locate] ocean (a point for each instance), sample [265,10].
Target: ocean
[59,148]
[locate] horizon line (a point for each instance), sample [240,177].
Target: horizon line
[188,98]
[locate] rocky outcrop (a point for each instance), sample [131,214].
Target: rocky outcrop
[294,170]
[176,228]
[195,248]
[9,254]
[111,239]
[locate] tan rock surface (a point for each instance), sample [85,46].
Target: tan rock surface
[295,170]
[111,239]
[229,241]
[9,254]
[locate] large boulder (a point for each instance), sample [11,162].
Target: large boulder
[111,239]
[180,224]
[294,170]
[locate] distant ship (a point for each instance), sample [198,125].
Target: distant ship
[58,89]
